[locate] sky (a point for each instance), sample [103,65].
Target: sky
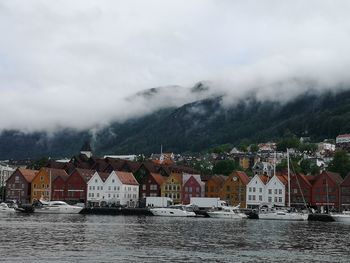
[78,64]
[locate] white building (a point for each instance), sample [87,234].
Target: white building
[256,191]
[120,188]
[276,191]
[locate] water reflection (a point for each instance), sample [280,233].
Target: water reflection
[88,238]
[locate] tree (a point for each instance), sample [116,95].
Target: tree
[340,163]
[37,164]
[289,142]
[225,167]
[308,167]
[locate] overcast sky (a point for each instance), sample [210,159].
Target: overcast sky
[73,63]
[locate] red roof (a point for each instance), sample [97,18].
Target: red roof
[126,178]
[158,178]
[103,176]
[28,174]
[86,174]
[56,173]
[244,177]
[264,178]
[283,179]
[335,177]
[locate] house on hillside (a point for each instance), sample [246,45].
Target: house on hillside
[263,168]
[345,193]
[18,185]
[150,185]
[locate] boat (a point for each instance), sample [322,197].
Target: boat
[341,217]
[4,208]
[174,211]
[228,212]
[57,207]
[284,213]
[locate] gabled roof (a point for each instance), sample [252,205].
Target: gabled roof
[86,174]
[56,173]
[158,178]
[103,176]
[306,179]
[126,178]
[243,176]
[264,178]
[218,179]
[335,177]
[28,174]
[343,135]
[283,179]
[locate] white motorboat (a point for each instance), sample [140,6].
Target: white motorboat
[342,217]
[283,214]
[228,212]
[57,207]
[4,208]
[174,210]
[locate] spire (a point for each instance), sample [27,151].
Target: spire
[86,149]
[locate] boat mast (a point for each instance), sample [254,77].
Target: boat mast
[50,187]
[288,178]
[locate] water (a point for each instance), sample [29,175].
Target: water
[89,238]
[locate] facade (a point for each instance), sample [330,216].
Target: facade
[5,173]
[76,185]
[263,168]
[234,189]
[18,185]
[301,190]
[151,185]
[345,193]
[214,185]
[276,190]
[172,188]
[192,186]
[95,189]
[326,191]
[256,191]
[58,188]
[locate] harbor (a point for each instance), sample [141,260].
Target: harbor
[100,238]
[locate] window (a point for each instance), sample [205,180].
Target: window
[280,191]
[95,180]
[270,191]
[115,188]
[275,199]
[260,190]
[249,197]
[90,188]
[250,189]
[113,180]
[253,197]
[280,199]
[260,197]
[109,188]
[143,187]
[275,191]
[93,188]
[227,188]
[98,195]
[190,189]
[101,187]
[295,190]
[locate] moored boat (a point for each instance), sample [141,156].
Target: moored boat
[228,212]
[4,208]
[57,207]
[342,217]
[174,211]
[283,214]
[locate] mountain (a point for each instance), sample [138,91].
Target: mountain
[195,126]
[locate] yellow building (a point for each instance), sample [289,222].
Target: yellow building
[234,189]
[172,187]
[41,185]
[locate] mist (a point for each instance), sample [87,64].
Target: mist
[84,64]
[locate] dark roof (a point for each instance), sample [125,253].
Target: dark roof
[86,174]
[86,147]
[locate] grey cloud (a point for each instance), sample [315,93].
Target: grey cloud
[78,64]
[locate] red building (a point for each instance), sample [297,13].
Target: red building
[345,193]
[192,187]
[76,185]
[58,184]
[150,185]
[301,190]
[18,185]
[326,191]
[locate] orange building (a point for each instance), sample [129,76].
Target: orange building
[214,185]
[234,189]
[41,184]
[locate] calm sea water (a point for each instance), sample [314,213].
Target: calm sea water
[89,238]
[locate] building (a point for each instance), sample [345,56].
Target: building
[343,142]
[172,188]
[192,186]
[234,189]
[214,184]
[76,185]
[276,190]
[345,193]
[95,189]
[18,185]
[58,185]
[150,185]
[263,168]
[5,173]
[301,190]
[86,149]
[326,191]
[256,191]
